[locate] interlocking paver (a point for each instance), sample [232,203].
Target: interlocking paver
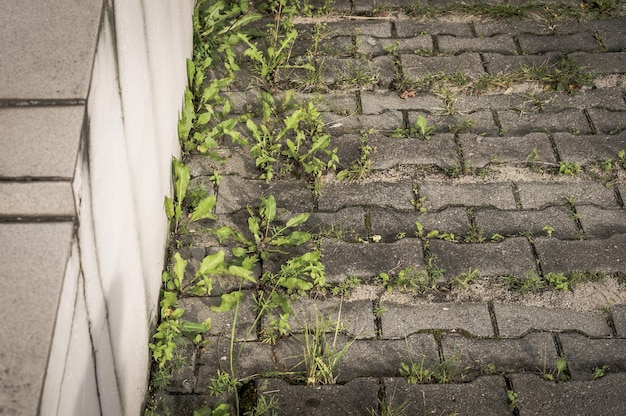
[597,222]
[533,352]
[378,101]
[484,396]
[249,358]
[511,257]
[516,320]
[441,195]
[523,222]
[587,255]
[386,356]
[343,260]
[349,223]
[353,398]
[355,317]
[479,122]
[387,121]
[537,396]
[585,355]
[601,63]
[396,195]
[533,44]
[608,98]
[498,63]
[569,120]
[439,150]
[498,43]
[409,28]
[415,66]
[394,224]
[587,149]
[400,320]
[480,151]
[373,45]
[236,193]
[537,195]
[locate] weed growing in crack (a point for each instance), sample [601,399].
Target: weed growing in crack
[419,130]
[321,355]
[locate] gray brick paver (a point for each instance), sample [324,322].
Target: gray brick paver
[522,222]
[530,353]
[339,195]
[618,313]
[499,44]
[484,396]
[366,260]
[389,224]
[569,120]
[606,255]
[538,195]
[515,320]
[598,397]
[401,320]
[439,150]
[533,44]
[587,149]
[511,257]
[480,151]
[584,355]
[441,195]
[417,66]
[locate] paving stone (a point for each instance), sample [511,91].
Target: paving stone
[186,404]
[36,199]
[338,103]
[379,101]
[410,28]
[537,195]
[607,98]
[387,121]
[608,122]
[601,223]
[477,122]
[511,223]
[480,151]
[484,396]
[339,195]
[498,63]
[348,148]
[601,63]
[584,355]
[468,103]
[614,25]
[236,193]
[349,223]
[382,358]
[378,46]
[363,260]
[414,66]
[249,359]
[198,309]
[439,150]
[348,27]
[533,44]
[52,154]
[582,255]
[516,320]
[353,398]
[613,40]
[34,258]
[587,149]
[511,257]
[533,352]
[400,320]
[498,43]
[237,161]
[441,195]
[619,319]
[41,65]
[486,29]
[573,121]
[386,67]
[356,317]
[390,224]
[575,398]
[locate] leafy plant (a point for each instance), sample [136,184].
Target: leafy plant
[569,168]
[513,399]
[417,372]
[419,130]
[299,142]
[599,372]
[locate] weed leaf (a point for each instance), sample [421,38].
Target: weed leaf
[211,264]
[204,208]
[229,301]
[297,220]
[242,273]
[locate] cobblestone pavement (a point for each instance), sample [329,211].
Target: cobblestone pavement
[487,181]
